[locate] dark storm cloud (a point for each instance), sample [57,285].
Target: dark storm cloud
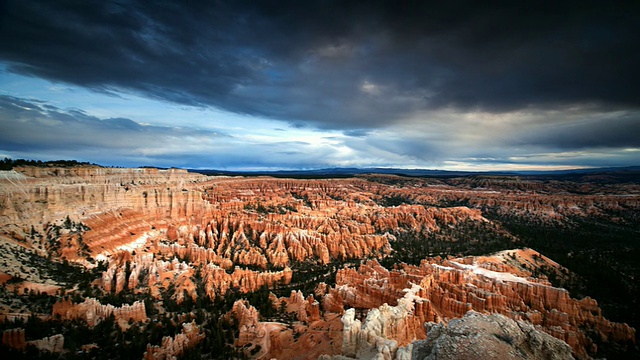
[349,65]
[606,131]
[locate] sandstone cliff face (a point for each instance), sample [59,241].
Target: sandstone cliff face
[48,194]
[140,218]
[254,335]
[252,223]
[547,201]
[376,336]
[274,221]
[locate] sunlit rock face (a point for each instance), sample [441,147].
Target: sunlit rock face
[92,312]
[180,237]
[447,289]
[398,303]
[14,338]
[474,336]
[148,218]
[311,335]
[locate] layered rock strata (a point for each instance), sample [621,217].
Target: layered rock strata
[157,227]
[447,289]
[312,335]
[169,229]
[92,311]
[386,310]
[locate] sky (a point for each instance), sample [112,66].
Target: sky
[269,85]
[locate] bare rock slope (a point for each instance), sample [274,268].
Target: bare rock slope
[487,337]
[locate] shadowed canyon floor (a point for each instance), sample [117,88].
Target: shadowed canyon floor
[105,263]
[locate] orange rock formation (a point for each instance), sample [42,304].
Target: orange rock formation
[161,229]
[14,339]
[308,338]
[397,304]
[442,290]
[172,347]
[92,312]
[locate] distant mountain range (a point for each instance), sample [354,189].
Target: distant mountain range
[633,171]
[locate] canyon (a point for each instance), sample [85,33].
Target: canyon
[398,304]
[375,266]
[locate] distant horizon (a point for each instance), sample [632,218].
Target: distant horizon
[328,169]
[265,86]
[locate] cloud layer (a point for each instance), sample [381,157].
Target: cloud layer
[409,85]
[34,128]
[31,128]
[335,65]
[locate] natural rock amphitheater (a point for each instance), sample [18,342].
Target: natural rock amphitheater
[158,264]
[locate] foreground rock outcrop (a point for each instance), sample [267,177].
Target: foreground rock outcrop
[474,336]
[377,337]
[485,337]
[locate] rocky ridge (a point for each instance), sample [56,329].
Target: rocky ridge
[92,311]
[480,336]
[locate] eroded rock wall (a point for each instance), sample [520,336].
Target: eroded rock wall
[92,311]
[449,288]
